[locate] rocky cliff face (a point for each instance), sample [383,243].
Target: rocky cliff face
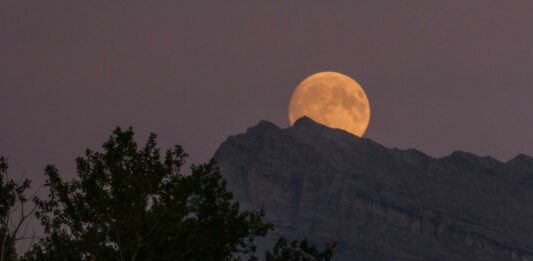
[379,203]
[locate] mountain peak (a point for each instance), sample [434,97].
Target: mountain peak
[380,203]
[304,120]
[307,122]
[266,125]
[522,158]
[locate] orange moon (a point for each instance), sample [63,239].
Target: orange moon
[332,99]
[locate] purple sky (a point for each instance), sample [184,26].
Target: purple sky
[440,75]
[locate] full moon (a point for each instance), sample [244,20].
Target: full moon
[332,99]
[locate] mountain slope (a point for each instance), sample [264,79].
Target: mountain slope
[379,203]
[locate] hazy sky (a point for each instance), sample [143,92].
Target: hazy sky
[440,75]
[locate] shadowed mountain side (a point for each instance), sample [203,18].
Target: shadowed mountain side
[380,203]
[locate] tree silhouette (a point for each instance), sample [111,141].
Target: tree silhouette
[12,199]
[132,203]
[298,251]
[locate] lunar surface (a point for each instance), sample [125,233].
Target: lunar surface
[332,99]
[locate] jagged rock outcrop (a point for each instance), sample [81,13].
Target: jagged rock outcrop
[379,203]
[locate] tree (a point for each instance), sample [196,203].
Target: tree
[12,198]
[130,203]
[298,251]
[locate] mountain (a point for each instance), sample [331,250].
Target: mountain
[379,203]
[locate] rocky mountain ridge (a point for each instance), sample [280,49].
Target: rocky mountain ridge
[379,203]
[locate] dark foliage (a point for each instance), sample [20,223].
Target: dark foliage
[130,203]
[12,196]
[298,251]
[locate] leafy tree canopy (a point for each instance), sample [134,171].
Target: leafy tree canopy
[131,203]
